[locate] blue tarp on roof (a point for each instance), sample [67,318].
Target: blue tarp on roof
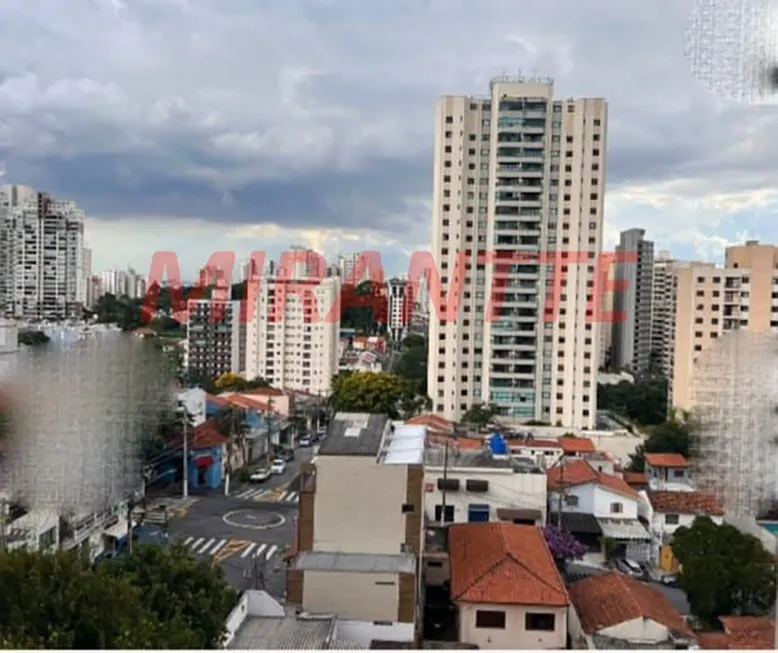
[498,445]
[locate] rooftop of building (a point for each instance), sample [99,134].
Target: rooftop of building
[669,460]
[503,563]
[686,503]
[354,434]
[606,600]
[580,472]
[437,456]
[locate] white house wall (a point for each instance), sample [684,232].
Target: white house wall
[660,527]
[636,631]
[596,500]
[352,596]
[513,636]
[506,490]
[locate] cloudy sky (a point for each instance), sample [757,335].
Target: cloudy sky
[199,125]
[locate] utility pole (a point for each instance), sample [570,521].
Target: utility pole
[443,491]
[561,491]
[185,492]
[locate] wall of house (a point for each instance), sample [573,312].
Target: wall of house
[213,473]
[660,527]
[437,569]
[640,630]
[514,636]
[358,505]
[352,596]
[367,631]
[506,490]
[596,500]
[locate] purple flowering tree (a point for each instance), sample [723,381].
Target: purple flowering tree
[563,545]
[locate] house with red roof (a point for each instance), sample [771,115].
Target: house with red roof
[577,487]
[667,471]
[506,587]
[614,611]
[743,634]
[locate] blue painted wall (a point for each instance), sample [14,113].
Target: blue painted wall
[212,474]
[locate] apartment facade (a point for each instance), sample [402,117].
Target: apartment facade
[43,255]
[360,526]
[399,315]
[662,312]
[709,301]
[290,342]
[122,283]
[518,174]
[631,343]
[216,338]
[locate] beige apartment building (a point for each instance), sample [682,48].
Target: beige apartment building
[360,526]
[709,301]
[520,175]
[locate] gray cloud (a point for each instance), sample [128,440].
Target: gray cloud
[321,113]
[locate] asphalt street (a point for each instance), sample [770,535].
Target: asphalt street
[248,532]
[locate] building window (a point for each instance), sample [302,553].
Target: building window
[408,508]
[442,515]
[490,619]
[671,520]
[617,508]
[47,539]
[539,621]
[571,500]
[478,512]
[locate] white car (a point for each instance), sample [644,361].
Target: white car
[278,467]
[260,476]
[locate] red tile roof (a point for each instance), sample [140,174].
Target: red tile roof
[248,402]
[671,460]
[635,478]
[750,633]
[713,641]
[206,436]
[433,422]
[577,445]
[264,392]
[456,443]
[510,564]
[535,444]
[686,503]
[612,598]
[580,472]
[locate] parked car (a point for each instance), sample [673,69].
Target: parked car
[629,567]
[305,441]
[279,466]
[260,476]
[671,580]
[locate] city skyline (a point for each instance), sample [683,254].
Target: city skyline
[208,161]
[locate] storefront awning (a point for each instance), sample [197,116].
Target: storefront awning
[204,461]
[623,529]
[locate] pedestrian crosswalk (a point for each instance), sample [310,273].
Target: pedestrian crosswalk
[222,548]
[270,496]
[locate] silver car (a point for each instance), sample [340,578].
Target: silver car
[629,567]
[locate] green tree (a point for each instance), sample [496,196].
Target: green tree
[643,402]
[369,392]
[151,599]
[724,571]
[479,415]
[412,365]
[672,436]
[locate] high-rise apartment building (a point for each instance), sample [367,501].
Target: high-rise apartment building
[11,196]
[121,283]
[43,255]
[346,264]
[399,314]
[662,313]
[709,301]
[519,176]
[290,341]
[216,339]
[631,343]
[84,276]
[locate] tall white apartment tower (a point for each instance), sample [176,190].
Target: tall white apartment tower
[521,176]
[631,345]
[289,341]
[399,314]
[45,257]
[11,196]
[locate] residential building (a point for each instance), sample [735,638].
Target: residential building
[346,264]
[43,256]
[662,294]
[667,471]
[606,333]
[84,276]
[538,166]
[360,526]
[666,511]
[631,344]
[11,196]
[613,611]
[399,313]
[710,301]
[575,486]
[506,588]
[475,486]
[123,283]
[292,339]
[216,338]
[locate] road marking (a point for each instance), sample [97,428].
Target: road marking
[188,540]
[232,547]
[260,549]
[228,519]
[218,546]
[271,552]
[293,497]
[248,550]
[197,543]
[205,546]
[250,493]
